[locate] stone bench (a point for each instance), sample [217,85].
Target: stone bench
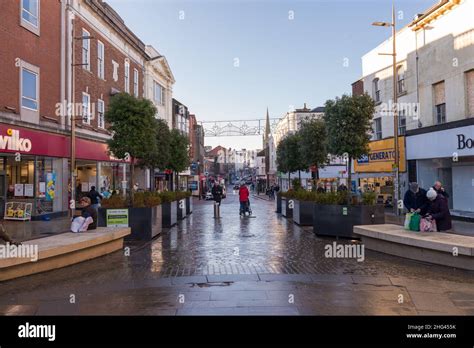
[63,250]
[445,249]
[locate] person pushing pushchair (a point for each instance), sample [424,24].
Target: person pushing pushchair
[244,200]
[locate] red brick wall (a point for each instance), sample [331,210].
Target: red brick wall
[96,86]
[43,51]
[358,88]
[192,137]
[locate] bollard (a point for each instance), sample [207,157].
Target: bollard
[217,210]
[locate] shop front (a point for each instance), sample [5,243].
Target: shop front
[374,172]
[35,171]
[445,153]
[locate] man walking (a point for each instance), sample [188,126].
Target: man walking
[95,198]
[243,198]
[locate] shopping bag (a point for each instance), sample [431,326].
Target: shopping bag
[77,223]
[407,220]
[427,225]
[415,222]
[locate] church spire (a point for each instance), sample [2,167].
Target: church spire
[267,128]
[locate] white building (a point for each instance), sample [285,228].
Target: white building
[159,81]
[435,82]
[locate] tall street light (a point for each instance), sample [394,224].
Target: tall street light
[395,108]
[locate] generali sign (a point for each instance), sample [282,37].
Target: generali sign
[13,142]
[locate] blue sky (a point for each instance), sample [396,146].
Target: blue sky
[283,62]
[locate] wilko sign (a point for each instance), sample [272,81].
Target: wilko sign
[13,142]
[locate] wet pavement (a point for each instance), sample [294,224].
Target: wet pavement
[264,265]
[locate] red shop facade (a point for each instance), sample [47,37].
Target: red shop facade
[35,168]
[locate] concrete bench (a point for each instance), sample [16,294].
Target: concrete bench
[62,250]
[445,249]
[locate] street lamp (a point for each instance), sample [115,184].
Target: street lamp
[199,179]
[395,108]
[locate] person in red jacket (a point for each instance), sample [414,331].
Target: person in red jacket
[243,198]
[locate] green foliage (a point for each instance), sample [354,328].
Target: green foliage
[313,142]
[296,184]
[369,198]
[179,157]
[289,155]
[132,122]
[349,124]
[161,157]
[114,202]
[171,196]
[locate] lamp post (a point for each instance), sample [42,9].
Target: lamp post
[199,179]
[395,107]
[74,118]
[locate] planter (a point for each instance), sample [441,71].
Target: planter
[287,207]
[145,223]
[278,204]
[339,220]
[189,205]
[303,212]
[169,213]
[181,209]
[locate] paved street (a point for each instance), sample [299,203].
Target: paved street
[264,265]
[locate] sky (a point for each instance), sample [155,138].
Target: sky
[234,58]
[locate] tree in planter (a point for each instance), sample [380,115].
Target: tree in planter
[132,123]
[179,157]
[160,158]
[313,143]
[289,157]
[349,126]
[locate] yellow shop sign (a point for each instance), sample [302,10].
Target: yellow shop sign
[381,157]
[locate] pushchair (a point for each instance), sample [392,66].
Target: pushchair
[246,209]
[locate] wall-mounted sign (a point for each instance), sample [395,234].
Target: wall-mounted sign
[381,157]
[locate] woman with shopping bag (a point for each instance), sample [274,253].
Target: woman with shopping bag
[438,210]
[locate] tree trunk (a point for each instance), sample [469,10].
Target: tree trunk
[299,176]
[289,180]
[349,175]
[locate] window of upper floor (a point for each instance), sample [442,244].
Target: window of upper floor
[376,90]
[30,15]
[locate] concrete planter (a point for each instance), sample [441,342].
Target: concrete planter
[339,220]
[287,207]
[181,209]
[145,223]
[169,213]
[189,205]
[278,204]
[303,212]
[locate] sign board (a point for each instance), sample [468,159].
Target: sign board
[117,217]
[450,143]
[381,157]
[193,185]
[29,190]
[19,190]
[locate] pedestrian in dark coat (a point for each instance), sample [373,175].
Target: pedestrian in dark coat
[439,210]
[415,199]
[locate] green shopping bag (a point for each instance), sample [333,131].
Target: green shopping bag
[406,225]
[415,222]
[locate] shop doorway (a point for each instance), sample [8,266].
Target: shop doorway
[445,175]
[3,193]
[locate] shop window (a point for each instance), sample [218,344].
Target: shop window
[30,15]
[46,185]
[20,177]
